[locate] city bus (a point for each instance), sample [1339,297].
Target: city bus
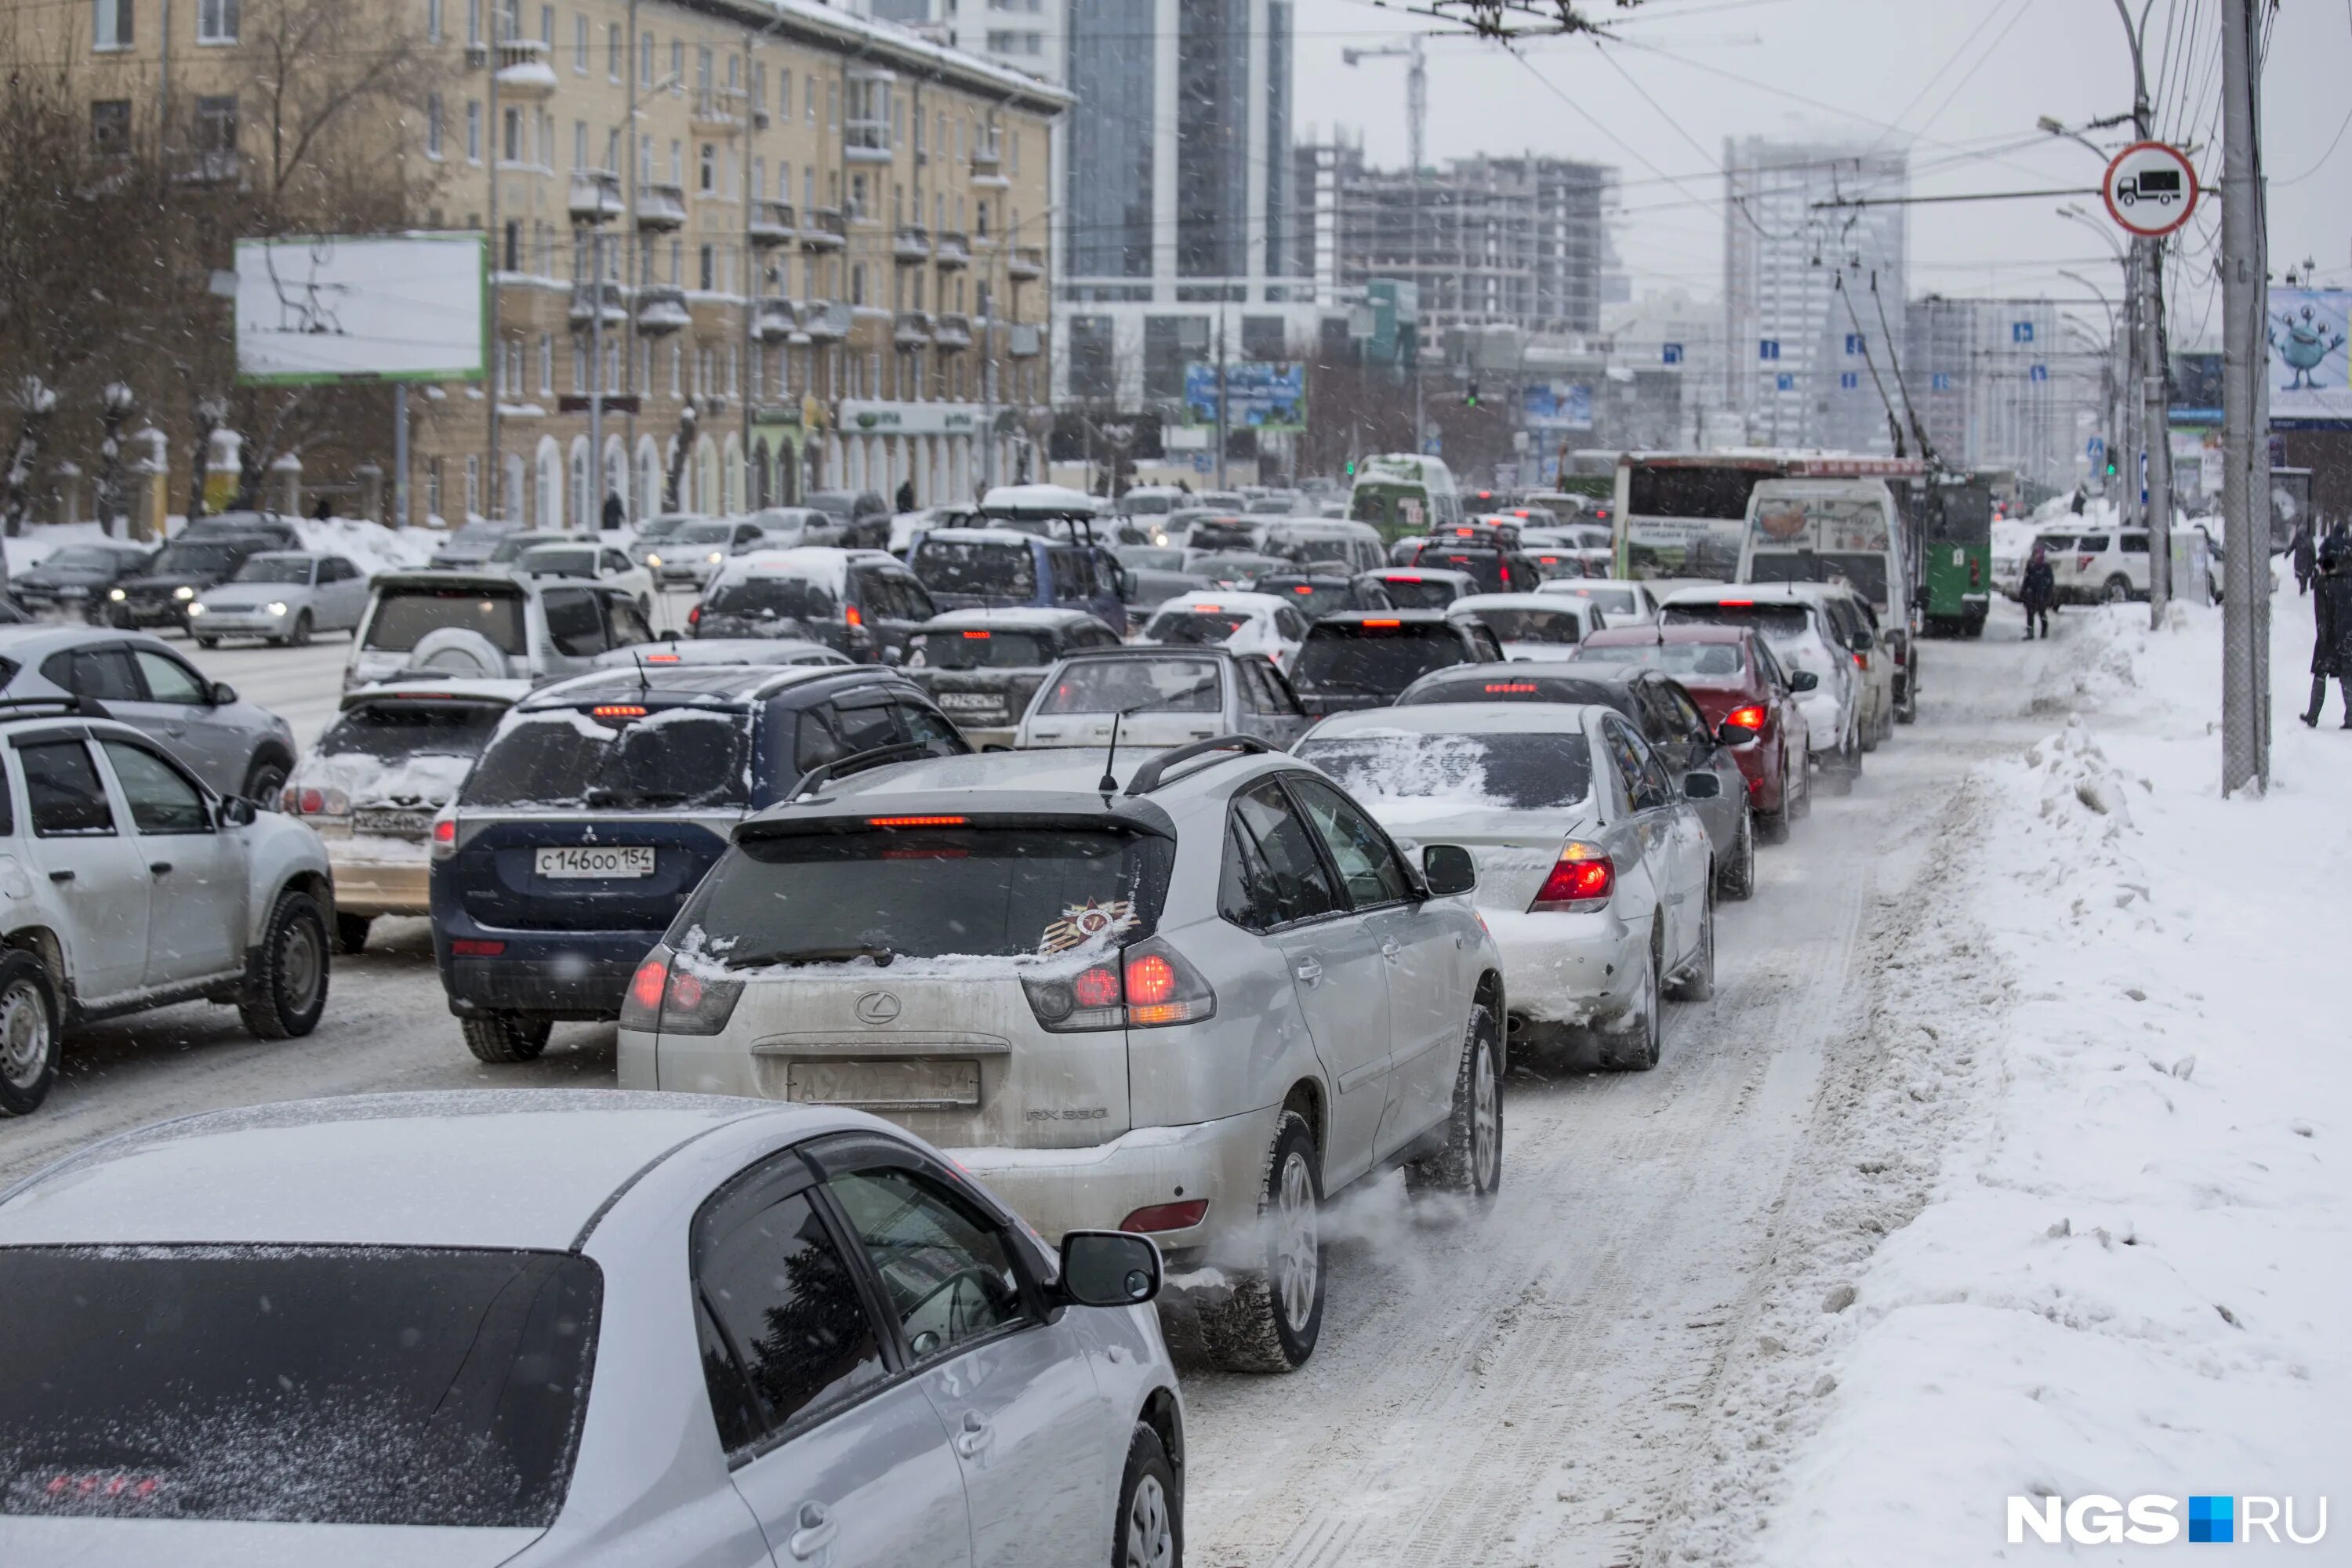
[1402,494]
[1683,514]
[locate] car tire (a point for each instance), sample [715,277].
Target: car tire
[1274,1315]
[1800,794]
[1696,982]
[2117,590]
[263,782]
[1148,1531]
[505,1038]
[208,642]
[1471,1163]
[286,980]
[299,635]
[1636,1046]
[28,1033]
[351,932]
[1735,878]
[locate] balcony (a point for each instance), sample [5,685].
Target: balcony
[772,223]
[865,141]
[773,320]
[587,296]
[1024,340]
[954,251]
[953,332]
[912,247]
[661,207]
[524,70]
[716,112]
[825,320]
[661,311]
[824,229]
[913,329]
[1025,265]
[988,165]
[595,195]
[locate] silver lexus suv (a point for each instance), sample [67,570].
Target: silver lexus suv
[1194,1004]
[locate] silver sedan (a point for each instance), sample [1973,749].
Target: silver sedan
[688,1331]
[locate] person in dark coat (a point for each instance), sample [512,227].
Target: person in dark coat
[615,514]
[2036,590]
[905,495]
[2306,551]
[2331,648]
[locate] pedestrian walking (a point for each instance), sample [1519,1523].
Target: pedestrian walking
[2331,647]
[2306,551]
[324,511]
[905,495]
[2036,590]
[615,514]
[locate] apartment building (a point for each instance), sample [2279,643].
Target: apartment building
[1999,384]
[807,247]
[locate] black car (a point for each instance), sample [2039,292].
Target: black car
[1497,568]
[269,525]
[861,603]
[1353,660]
[161,596]
[1425,588]
[981,667]
[863,516]
[77,578]
[599,803]
[1315,595]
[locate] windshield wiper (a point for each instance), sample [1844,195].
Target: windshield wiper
[881,956]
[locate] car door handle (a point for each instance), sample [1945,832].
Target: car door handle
[1309,971]
[161,867]
[976,1435]
[1389,948]
[816,1530]
[61,876]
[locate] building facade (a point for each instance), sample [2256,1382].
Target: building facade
[1998,384]
[1814,289]
[763,247]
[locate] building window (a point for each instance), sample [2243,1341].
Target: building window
[215,21]
[473,486]
[644,62]
[676,162]
[109,127]
[676,368]
[511,146]
[474,129]
[546,365]
[473,36]
[707,168]
[547,31]
[708,267]
[857,283]
[613,52]
[580,45]
[215,137]
[677,64]
[511,252]
[433,22]
[579,143]
[783,95]
[433,126]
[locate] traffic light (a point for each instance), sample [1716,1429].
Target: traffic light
[1351,470]
[1470,396]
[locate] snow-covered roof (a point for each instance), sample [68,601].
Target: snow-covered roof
[1016,616]
[1219,599]
[871,39]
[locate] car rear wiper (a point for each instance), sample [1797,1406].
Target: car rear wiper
[881,956]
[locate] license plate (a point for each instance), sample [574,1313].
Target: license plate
[593,861]
[393,824]
[961,701]
[886,1085]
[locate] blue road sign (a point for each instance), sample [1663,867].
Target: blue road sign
[1853,342]
[2098,448]
[1673,354]
[2039,373]
[1849,380]
[1940,382]
[1767,348]
[2021,331]
[1784,381]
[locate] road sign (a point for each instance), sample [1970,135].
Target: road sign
[1849,380]
[2150,188]
[2038,373]
[2021,331]
[1673,354]
[1940,381]
[1853,342]
[1784,381]
[2097,449]
[1767,348]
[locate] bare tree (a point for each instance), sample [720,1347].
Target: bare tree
[35,403]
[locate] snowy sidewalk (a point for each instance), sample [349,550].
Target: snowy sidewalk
[2113,1065]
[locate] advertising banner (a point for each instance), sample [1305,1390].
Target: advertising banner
[326,308]
[2309,380]
[1557,406]
[1260,394]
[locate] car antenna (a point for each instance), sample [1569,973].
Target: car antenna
[1109,784]
[644,685]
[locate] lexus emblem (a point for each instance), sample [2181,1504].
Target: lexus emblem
[876,1007]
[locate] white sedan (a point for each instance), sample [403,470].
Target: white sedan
[1595,873]
[689,1329]
[1532,626]
[1246,623]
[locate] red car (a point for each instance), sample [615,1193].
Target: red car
[1743,691]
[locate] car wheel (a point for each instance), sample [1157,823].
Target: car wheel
[286,984]
[28,1034]
[1472,1161]
[1150,1527]
[1736,877]
[263,782]
[1634,1044]
[208,642]
[1696,982]
[351,932]
[2117,590]
[505,1038]
[1272,1318]
[300,636]
[1800,792]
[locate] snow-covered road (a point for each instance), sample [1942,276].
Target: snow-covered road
[1536,1384]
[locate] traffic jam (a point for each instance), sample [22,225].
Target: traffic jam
[1016,939]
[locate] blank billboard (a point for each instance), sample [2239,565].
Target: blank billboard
[382,307]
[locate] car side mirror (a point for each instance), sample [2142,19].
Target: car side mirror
[1447,869]
[1730,734]
[1109,1268]
[223,694]
[236,812]
[1863,642]
[893,655]
[1702,786]
[1803,680]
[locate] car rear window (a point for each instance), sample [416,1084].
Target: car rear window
[1419,593]
[1134,685]
[923,893]
[1780,621]
[1200,629]
[191,559]
[979,650]
[775,599]
[1357,655]
[1609,601]
[1486,566]
[399,728]
[330,1385]
[1863,571]
[1211,535]
[1517,772]
[998,568]
[1535,625]
[1310,599]
[1703,661]
[672,759]
[405,616]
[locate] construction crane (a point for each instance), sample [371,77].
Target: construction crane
[1416,89]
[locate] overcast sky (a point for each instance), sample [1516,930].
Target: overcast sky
[1961,81]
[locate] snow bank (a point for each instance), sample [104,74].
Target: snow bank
[374,546]
[2099,1134]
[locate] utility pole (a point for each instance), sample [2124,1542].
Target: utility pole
[1220,397]
[2245,476]
[493,478]
[2147,300]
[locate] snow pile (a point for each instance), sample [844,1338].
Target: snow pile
[2097,1129]
[372,545]
[41,540]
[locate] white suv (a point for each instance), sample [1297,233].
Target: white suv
[126,884]
[1193,1007]
[2099,566]
[1829,689]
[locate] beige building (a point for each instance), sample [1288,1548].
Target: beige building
[822,243]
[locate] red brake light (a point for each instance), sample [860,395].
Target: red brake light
[1381,622]
[313,802]
[975,636]
[1402,577]
[662,659]
[445,831]
[1527,686]
[1150,978]
[1207,609]
[646,985]
[1738,603]
[916,821]
[1582,878]
[617,710]
[1303,588]
[854,615]
[1168,1217]
[1976,573]
[1750,717]
[1096,987]
[694,616]
[474,947]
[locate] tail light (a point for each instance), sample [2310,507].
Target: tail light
[445,837]
[676,1001]
[1145,986]
[2082,562]
[1749,716]
[475,947]
[853,614]
[694,616]
[1976,572]
[318,801]
[1580,881]
[1167,1216]
[1862,662]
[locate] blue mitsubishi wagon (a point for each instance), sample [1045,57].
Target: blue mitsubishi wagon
[599,803]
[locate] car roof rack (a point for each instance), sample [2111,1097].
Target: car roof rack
[52,708]
[824,774]
[1148,777]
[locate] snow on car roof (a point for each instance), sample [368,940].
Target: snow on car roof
[1471,603]
[524,1168]
[1463,717]
[1043,617]
[822,564]
[978,536]
[1222,599]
